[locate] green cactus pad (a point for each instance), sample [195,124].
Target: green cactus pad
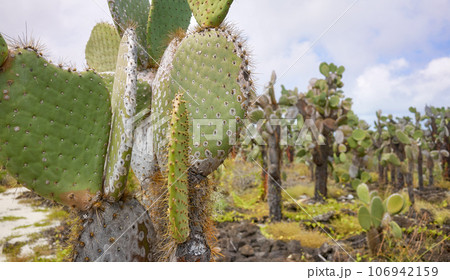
[143,92]
[178,154]
[364,218]
[101,49]
[395,203]
[373,194]
[116,232]
[363,193]
[127,13]
[123,103]
[54,128]
[166,17]
[395,229]
[211,68]
[3,50]
[210,13]
[324,69]
[402,137]
[376,211]
[358,134]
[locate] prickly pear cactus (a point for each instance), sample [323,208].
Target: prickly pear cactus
[375,216]
[101,49]
[120,231]
[123,105]
[177,176]
[54,128]
[211,66]
[210,13]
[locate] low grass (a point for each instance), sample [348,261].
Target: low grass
[42,224]
[56,214]
[346,226]
[24,226]
[440,213]
[335,191]
[10,218]
[298,190]
[293,231]
[2,189]
[319,208]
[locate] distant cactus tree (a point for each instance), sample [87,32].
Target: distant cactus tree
[155,99]
[329,113]
[267,110]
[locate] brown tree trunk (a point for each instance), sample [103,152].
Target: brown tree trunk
[393,174]
[386,174]
[320,158]
[380,171]
[290,153]
[410,180]
[420,169]
[311,170]
[374,241]
[274,164]
[446,166]
[430,167]
[264,173]
[399,150]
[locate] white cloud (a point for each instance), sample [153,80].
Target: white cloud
[382,87]
[279,32]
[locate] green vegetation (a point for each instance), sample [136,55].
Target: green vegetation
[10,218]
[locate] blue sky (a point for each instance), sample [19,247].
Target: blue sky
[397,53]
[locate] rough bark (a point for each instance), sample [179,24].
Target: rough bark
[196,248]
[290,153]
[320,158]
[273,166]
[399,150]
[374,241]
[409,180]
[430,167]
[264,173]
[420,169]
[380,171]
[393,174]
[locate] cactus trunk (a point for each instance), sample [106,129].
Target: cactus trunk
[274,184]
[374,240]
